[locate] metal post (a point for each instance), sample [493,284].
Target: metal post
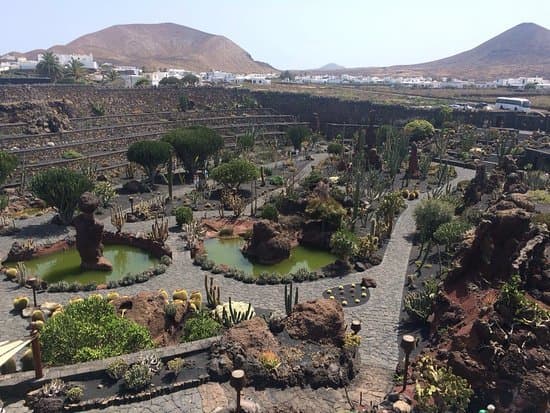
[408,343]
[237,382]
[36,355]
[131,199]
[32,282]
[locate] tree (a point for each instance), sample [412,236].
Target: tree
[170,81]
[190,79]
[75,69]
[286,75]
[49,66]
[142,82]
[297,134]
[335,148]
[193,146]
[8,162]
[245,142]
[149,154]
[234,173]
[112,75]
[61,188]
[419,129]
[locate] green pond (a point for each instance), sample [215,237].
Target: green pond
[228,252]
[65,265]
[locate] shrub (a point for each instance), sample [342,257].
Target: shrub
[175,365]
[439,389]
[328,210]
[367,245]
[116,369]
[234,173]
[98,109]
[429,215]
[419,129]
[8,162]
[276,180]
[226,232]
[269,211]
[105,192]
[335,148]
[74,394]
[542,218]
[137,377]
[200,325]
[149,154]
[451,232]
[71,154]
[312,179]
[90,324]
[297,134]
[343,244]
[184,215]
[472,215]
[61,188]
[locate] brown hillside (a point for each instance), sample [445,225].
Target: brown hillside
[163,45]
[523,50]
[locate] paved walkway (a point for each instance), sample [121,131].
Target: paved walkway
[380,316]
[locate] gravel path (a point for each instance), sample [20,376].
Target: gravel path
[379,316]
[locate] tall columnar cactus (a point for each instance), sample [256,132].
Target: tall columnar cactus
[118,218]
[233,317]
[159,231]
[288,298]
[212,292]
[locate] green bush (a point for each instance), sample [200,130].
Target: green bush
[335,148]
[184,215]
[116,369]
[226,232]
[312,179]
[61,188]
[328,210]
[419,129]
[297,134]
[276,180]
[234,173]
[451,232]
[105,192]
[74,394]
[89,330]
[200,325]
[137,377]
[149,155]
[343,244]
[8,162]
[269,211]
[429,215]
[71,154]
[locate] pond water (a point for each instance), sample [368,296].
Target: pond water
[228,252]
[65,265]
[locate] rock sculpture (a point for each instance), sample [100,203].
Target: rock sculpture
[89,234]
[268,245]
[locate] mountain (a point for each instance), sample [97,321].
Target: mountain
[523,50]
[162,45]
[331,66]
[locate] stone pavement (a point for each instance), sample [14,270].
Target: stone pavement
[379,348]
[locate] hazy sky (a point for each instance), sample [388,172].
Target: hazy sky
[299,34]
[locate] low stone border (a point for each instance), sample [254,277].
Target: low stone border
[19,384]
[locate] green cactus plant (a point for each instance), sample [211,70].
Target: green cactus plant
[288,298]
[20,303]
[27,360]
[212,292]
[9,366]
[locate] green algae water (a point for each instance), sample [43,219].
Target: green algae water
[227,251]
[65,265]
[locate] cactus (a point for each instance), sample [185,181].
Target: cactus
[118,218]
[37,325]
[38,315]
[163,292]
[22,273]
[112,295]
[195,300]
[9,366]
[20,303]
[159,231]
[288,298]
[233,317]
[180,294]
[27,361]
[11,273]
[419,305]
[212,292]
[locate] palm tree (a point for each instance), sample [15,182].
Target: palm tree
[49,66]
[111,75]
[75,69]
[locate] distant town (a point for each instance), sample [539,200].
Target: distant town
[132,76]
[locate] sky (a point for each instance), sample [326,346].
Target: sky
[299,34]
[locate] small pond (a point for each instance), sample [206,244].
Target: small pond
[65,265]
[228,252]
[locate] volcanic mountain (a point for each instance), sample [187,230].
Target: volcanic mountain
[162,45]
[523,50]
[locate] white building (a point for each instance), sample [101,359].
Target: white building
[87,60]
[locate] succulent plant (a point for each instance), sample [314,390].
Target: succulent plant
[137,377]
[175,365]
[53,388]
[38,315]
[9,366]
[180,294]
[20,303]
[116,369]
[74,394]
[153,362]
[27,360]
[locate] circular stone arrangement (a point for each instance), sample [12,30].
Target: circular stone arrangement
[349,295]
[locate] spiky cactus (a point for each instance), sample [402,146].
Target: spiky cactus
[288,298]
[118,218]
[159,231]
[233,316]
[212,292]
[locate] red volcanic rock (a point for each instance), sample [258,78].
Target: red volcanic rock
[320,320]
[252,336]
